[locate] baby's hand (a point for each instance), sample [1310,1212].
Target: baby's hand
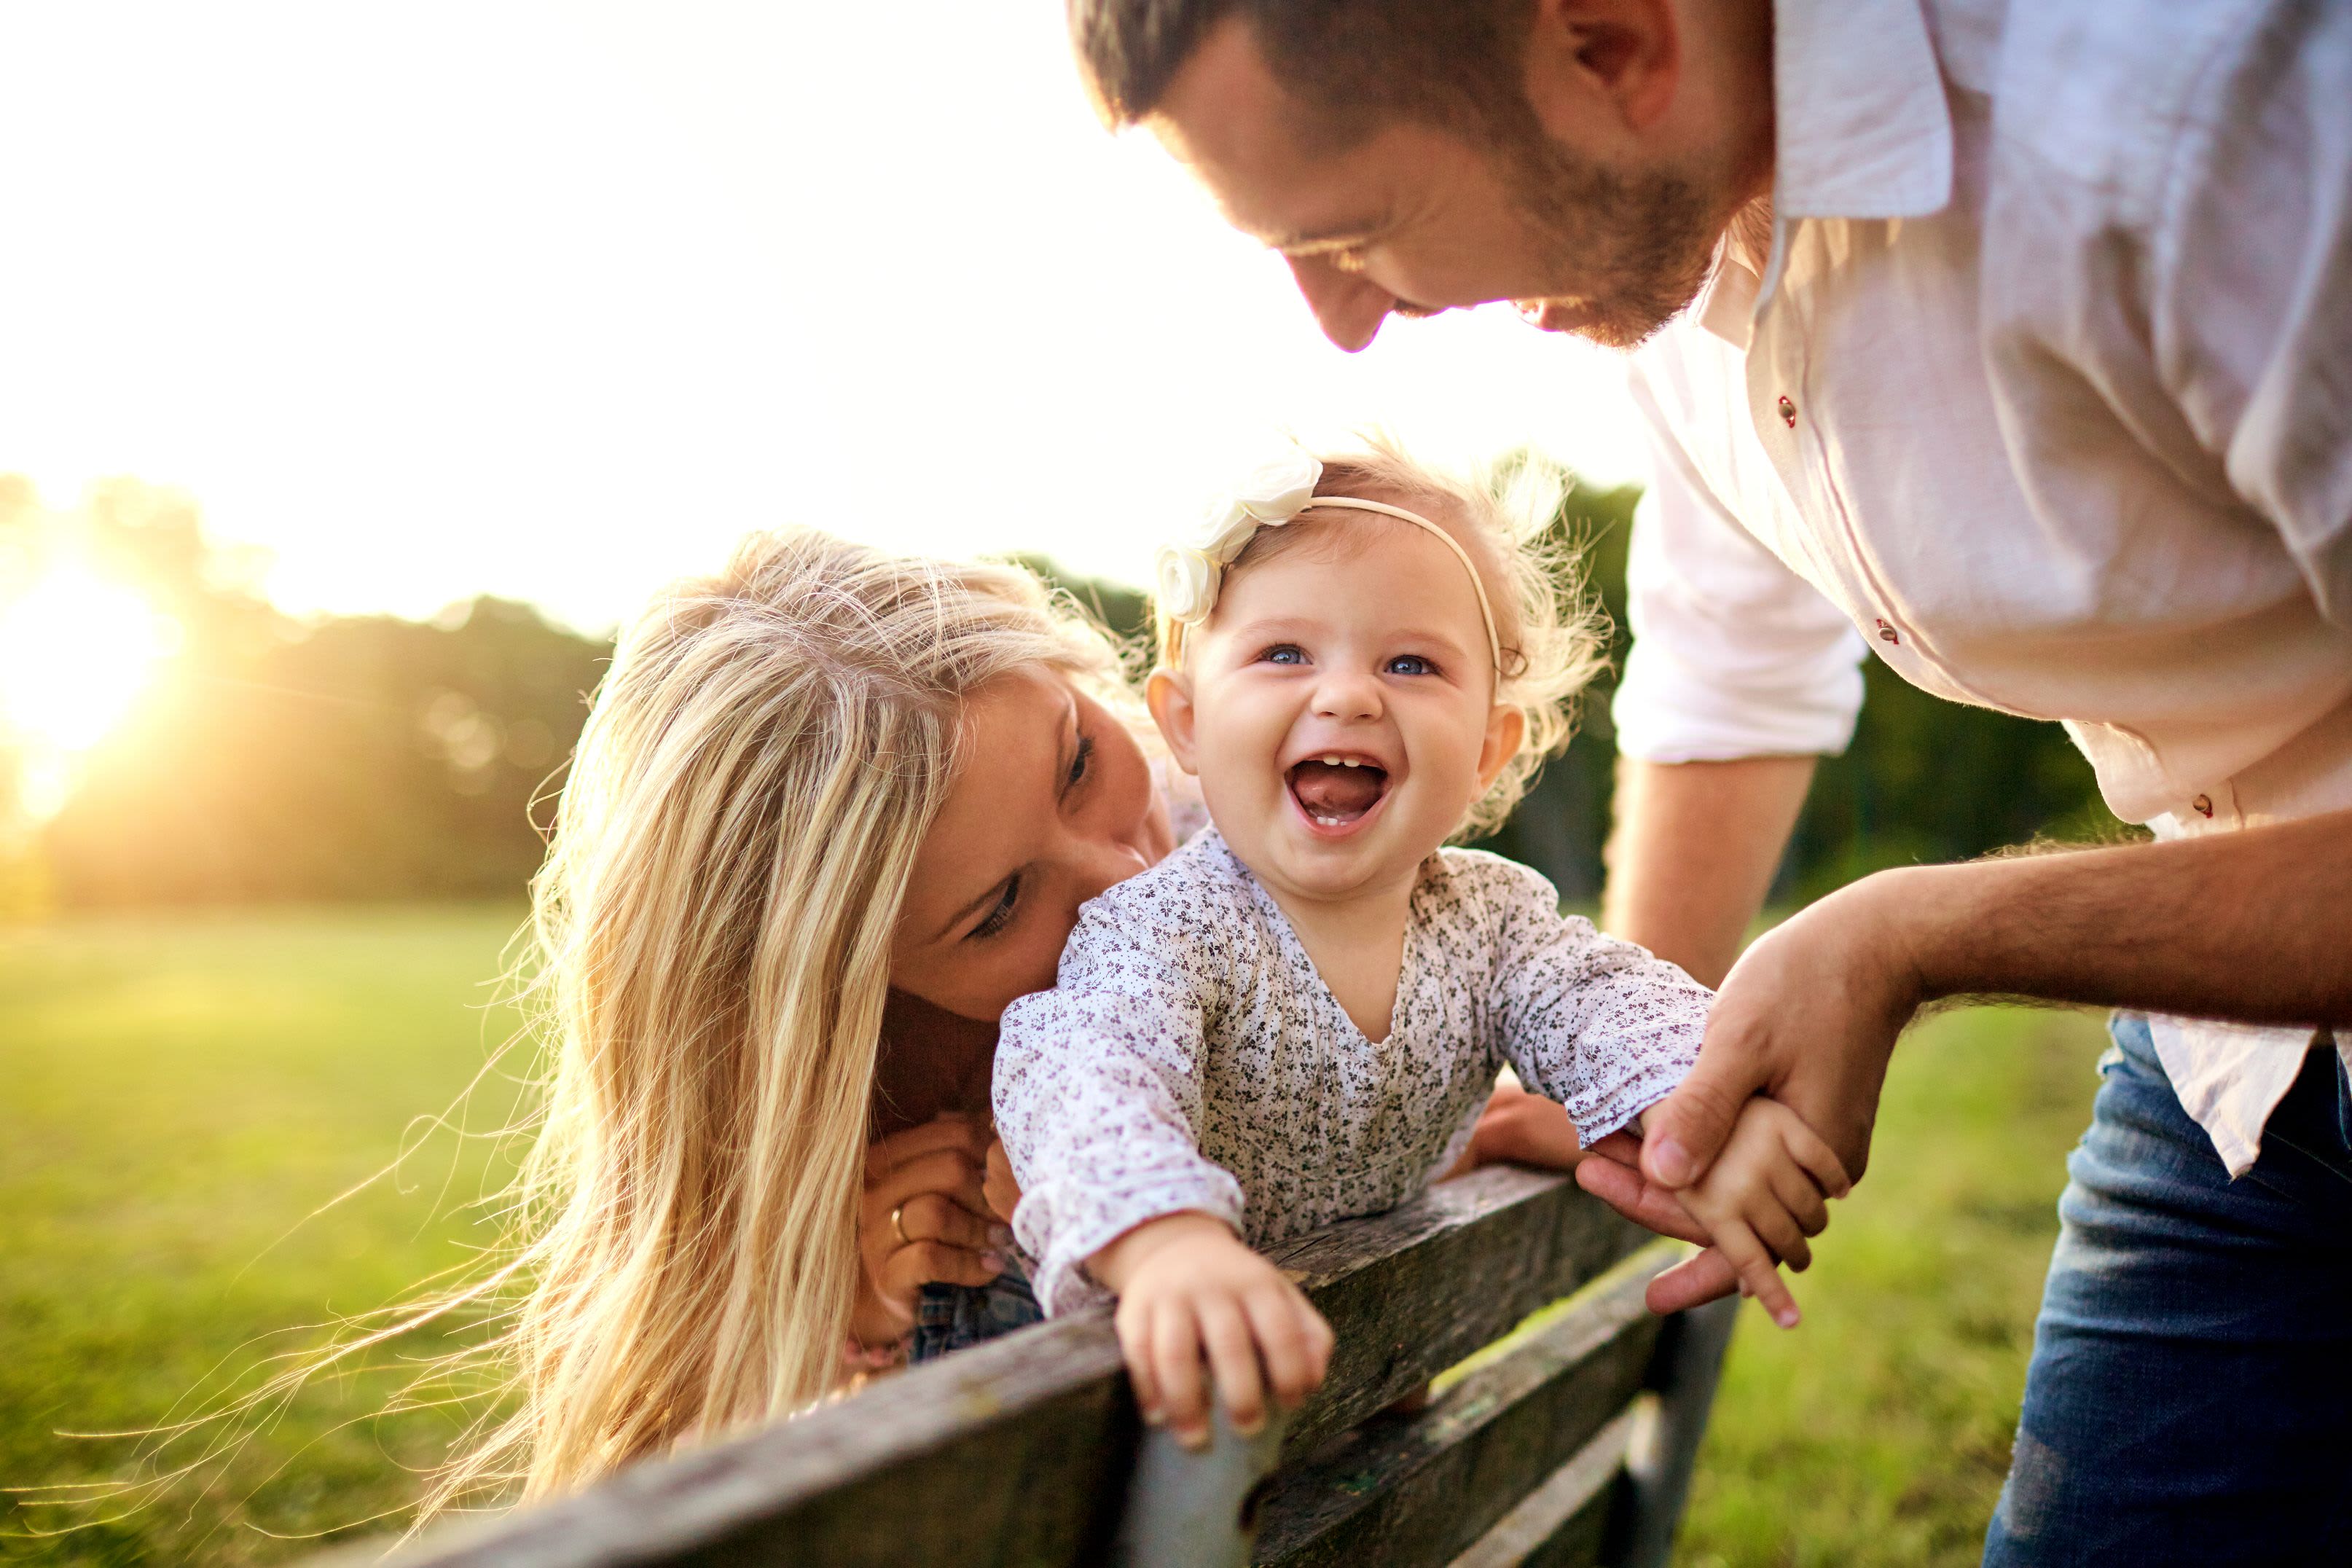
[1763,1196]
[1186,1284]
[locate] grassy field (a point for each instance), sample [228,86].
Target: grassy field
[178,1096]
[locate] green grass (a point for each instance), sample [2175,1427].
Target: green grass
[178,1093]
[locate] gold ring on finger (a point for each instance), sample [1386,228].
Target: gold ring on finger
[904,1239]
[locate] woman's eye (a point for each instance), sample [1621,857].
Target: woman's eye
[1080,761]
[1000,915]
[1284,653]
[1410,664]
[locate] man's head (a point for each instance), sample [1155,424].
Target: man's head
[1579,157]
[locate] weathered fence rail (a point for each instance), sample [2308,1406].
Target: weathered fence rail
[1569,1441]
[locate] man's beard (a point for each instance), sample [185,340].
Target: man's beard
[1642,243]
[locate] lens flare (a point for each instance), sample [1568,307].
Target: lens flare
[77,650]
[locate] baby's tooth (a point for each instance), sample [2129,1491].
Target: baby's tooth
[1330,762]
[1351,762]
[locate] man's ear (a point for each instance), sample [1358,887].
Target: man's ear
[1506,728]
[1169,695]
[1622,58]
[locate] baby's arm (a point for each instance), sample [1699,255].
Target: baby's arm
[1764,1194]
[1187,1286]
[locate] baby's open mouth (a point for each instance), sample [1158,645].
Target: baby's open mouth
[1335,792]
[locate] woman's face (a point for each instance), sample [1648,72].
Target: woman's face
[1055,804]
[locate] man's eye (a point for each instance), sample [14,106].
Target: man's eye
[1284,653]
[1001,914]
[1410,664]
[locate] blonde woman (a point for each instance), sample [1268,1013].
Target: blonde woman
[832,811]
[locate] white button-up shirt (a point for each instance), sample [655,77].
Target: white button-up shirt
[2043,394]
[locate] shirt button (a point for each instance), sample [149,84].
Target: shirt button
[1888,634]
[1788,412]
[2204,804]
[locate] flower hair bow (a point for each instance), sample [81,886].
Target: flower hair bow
[1192,565]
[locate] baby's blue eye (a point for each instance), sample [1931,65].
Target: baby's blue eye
[1410,664]
[1283,653]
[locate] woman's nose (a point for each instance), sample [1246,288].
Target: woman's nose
[1101,862]
[1347,308]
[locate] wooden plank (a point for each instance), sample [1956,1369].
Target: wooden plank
[1019,1450]
[1419,1489]
[1412,1291]
[1013,1451]
[1689,1363]
[1563,1520]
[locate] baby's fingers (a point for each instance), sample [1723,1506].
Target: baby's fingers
[1777,1228]
[1233,1356]
[1293,1338]
[1806,1148]
[1134,1346]
[1176,1368]
[1757,1273]
[1796,1192]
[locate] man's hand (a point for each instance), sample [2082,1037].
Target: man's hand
[1809,1017]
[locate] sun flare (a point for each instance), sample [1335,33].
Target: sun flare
[77,650]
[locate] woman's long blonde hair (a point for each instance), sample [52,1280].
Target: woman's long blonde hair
[711,934]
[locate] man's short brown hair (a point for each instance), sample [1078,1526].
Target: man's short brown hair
[1358,64]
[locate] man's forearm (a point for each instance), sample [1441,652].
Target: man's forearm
[1693,853]
[2255,926]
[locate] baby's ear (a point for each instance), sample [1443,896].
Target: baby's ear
[1507,730]
[1168,694]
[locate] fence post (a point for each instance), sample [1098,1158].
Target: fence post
[1187,1509]
[1665,1448]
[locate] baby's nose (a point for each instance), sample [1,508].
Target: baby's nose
[1344,696]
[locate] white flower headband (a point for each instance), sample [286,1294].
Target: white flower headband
[1191,568]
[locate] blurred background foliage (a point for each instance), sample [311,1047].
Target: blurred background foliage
[373,758]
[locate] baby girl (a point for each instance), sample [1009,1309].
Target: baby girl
[1297,1017]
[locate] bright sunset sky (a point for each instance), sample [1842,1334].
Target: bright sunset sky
[553,299]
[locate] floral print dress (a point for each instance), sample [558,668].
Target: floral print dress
[1192,1057]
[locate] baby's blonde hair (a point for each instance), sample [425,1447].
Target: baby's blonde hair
[1552,634]
[712,933]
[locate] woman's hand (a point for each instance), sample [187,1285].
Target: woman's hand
[923,1218]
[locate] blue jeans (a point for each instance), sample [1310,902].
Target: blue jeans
[950,1317]
[2190,1399]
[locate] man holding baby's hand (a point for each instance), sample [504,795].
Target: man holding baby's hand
[2012,344]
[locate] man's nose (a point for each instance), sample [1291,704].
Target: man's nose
[1349,309]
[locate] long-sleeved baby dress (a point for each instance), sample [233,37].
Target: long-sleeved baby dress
[1192,1057]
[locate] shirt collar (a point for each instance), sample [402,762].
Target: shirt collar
[1862,131]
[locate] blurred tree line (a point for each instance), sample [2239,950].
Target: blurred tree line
[371,757]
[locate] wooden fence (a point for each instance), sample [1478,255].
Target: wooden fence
[1564,1439]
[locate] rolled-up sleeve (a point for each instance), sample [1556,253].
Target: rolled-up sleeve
[1734,654]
